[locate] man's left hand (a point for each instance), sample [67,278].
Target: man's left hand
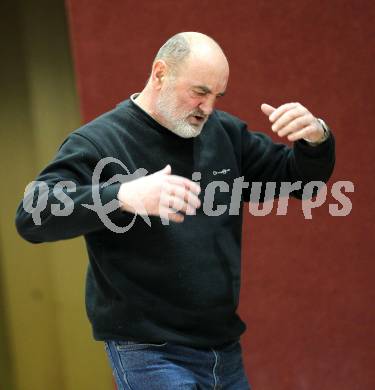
[294,121]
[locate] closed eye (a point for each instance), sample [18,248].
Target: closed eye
[203,91]
[200,93]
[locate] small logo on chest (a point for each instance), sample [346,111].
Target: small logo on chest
[222,172]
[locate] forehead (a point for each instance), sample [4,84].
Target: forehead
[210,71]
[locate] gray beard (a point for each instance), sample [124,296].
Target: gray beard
[179,126]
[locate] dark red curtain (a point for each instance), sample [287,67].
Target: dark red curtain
[307,287]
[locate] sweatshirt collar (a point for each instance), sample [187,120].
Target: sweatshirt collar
[143,115]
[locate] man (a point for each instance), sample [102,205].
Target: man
[163,295]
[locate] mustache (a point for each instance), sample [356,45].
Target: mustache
[198,112]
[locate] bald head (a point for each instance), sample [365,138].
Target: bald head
[188,74]
[185,46]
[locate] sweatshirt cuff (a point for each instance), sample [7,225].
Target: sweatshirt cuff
[108,194]
[314,150]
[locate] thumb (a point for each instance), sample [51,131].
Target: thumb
[166,170]
[267,109]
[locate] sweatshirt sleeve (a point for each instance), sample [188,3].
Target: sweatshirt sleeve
[53,205]
[265,161]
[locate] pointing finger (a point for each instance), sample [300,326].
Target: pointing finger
[267,109]
[281,110]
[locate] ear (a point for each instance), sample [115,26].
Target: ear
[159,70]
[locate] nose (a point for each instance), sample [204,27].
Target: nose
[207,105]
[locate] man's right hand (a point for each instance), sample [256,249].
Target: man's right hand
[162,194]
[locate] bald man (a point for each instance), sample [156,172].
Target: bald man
[164,168]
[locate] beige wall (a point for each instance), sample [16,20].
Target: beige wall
[45,338]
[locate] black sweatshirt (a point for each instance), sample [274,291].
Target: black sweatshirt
[175,282]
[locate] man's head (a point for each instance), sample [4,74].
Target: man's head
[189,73]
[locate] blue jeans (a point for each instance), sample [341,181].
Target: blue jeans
[168,366]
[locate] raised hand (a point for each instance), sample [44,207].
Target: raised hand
[162,194]
[294,121]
